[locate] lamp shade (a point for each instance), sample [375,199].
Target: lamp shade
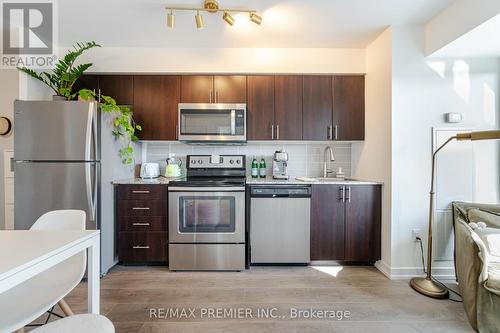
[481,135]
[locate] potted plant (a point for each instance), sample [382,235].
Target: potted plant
[62,78]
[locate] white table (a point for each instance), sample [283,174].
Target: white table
[26,253]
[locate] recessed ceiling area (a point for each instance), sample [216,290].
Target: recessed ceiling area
[286,23]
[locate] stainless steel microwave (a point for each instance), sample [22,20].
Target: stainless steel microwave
[212,123]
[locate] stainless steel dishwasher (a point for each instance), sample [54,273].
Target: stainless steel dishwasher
[280,224]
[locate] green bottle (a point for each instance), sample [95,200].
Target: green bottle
[262,168]
[255,168]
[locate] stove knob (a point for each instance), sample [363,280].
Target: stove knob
[193,162]
[200,161]
[238,162]
[231,161]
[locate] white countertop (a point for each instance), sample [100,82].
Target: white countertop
[253,181]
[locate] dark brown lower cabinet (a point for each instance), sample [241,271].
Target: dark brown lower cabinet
[142,223]
[346,222]
[327,223]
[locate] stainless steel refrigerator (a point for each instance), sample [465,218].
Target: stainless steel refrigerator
[58,165]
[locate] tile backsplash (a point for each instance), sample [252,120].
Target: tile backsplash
[305,158]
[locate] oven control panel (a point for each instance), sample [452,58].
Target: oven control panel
[215,161]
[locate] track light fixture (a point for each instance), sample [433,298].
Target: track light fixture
[228,18]
[212,6]
[199,21]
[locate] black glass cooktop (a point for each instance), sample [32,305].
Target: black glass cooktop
[209,181]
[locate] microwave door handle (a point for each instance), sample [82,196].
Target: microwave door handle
[233,122]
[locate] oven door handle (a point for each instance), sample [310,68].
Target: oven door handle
[233,122]
[206,189]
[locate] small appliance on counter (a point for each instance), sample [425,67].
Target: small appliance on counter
[280,165]
[150,170]
[173,168]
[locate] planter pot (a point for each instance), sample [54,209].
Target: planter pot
[58,98]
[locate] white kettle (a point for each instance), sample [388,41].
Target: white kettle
[150,170]
[173,168]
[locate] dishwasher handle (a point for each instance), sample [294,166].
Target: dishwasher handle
[281,192]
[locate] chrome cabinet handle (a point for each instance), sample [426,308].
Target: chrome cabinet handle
[142,224]
[176,132]
[140,208]
[272,132]
[210,96]
[349,194]
[140,247]
[277,132]
[140,191]
[216,96]
[330,132]
[342,194]
[336,132]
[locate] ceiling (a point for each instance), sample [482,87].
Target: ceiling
[287,23]
[481,41]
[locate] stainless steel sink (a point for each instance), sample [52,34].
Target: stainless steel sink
[332,179]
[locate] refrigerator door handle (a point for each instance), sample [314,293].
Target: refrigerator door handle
[91,190]
[89,132]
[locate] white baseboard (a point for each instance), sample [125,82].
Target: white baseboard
[403,273]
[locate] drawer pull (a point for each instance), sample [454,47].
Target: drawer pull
[141,191]
[140,208]
[146,224]
[140,247]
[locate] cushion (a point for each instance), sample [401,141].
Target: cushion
[492,219]
[493,282]
[82,323]
[491,239]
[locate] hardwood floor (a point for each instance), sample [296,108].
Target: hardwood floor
[375,303]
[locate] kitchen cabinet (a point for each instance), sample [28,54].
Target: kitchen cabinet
[327,222]
[90,82]
[156,99]
[120,87]
[288,107]
[142,223]
[349,107]
[260,107]
[346,222]
[317,108]
[213,89]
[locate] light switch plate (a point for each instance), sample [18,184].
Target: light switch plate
[454,117]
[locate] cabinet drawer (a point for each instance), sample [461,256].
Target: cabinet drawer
[141,208]
[139,247]
[142,192]
[143,223]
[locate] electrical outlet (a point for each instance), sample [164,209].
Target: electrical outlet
[415,234]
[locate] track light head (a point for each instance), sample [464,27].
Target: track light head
[228,18]
[199,21]
[171,20]
[255,18]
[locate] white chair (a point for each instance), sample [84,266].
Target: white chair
[83,323]
[26,302]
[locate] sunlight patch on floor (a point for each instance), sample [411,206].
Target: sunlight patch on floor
[330,270]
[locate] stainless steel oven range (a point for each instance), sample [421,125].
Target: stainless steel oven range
[207,214]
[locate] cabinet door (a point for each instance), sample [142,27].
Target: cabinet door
[156,99]
[197,89]
[120,87]
[260,107]
[90,82]
[230,89]
[288,107]
[349,107]
[327,223]
[362,223]
[318,108]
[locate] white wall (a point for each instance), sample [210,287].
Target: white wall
[9,81]
[423,91]
[226,60]
[456,20]
[372,158]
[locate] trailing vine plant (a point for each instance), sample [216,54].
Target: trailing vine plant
[62,78]
[124,124]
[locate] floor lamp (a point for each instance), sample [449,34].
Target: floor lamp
[425,285]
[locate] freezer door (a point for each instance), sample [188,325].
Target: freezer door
[43,186]
[55,131]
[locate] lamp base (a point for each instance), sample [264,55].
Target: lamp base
[428,288]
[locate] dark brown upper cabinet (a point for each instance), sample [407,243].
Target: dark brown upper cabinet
[230,89]
[288,107]
[327,222]
[197,89]
[120,87]
[349,107]
[88,81]
[363,223]
[213,89]
[156,99]
[260,107]
[317,108]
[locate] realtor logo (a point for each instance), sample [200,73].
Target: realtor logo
[27,34]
